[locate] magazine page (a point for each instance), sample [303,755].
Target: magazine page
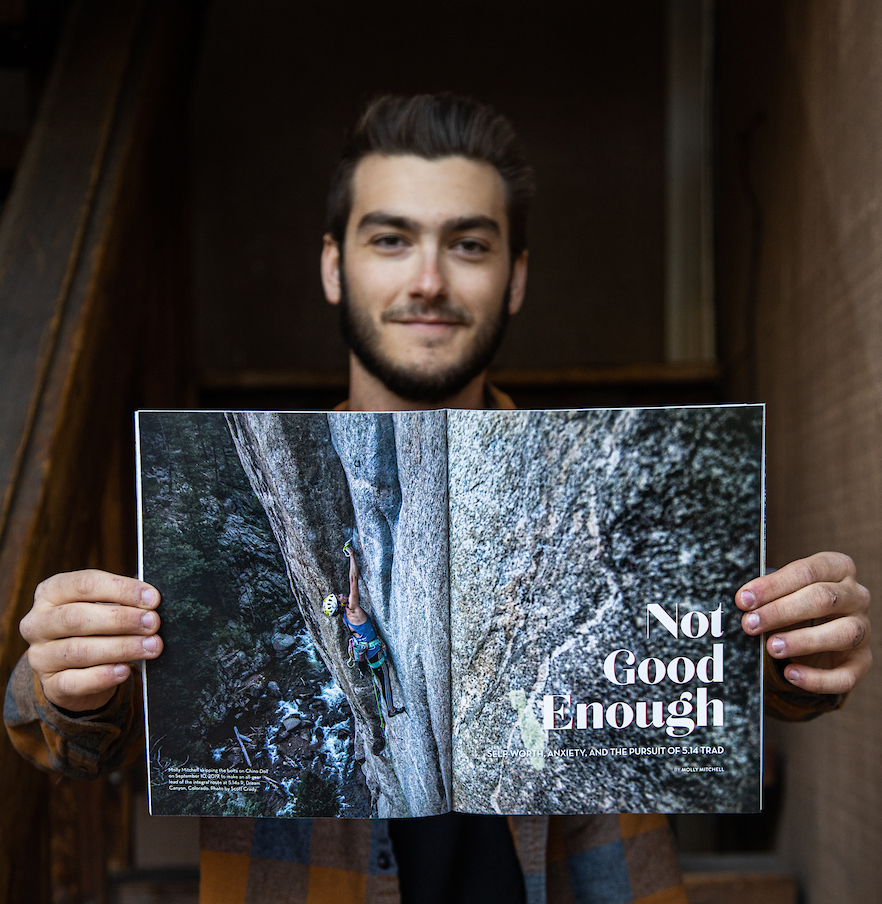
[302,561]
[598,660]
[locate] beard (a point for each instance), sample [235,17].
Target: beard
[412,382]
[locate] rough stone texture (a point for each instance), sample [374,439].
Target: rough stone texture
[380,480]
[564,526]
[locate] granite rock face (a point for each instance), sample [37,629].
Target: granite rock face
[380,480]
[564,528]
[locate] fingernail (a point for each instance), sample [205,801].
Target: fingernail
[149,596]
[748,599]
[148,619]
[777,645]
[753,621]
[120,670]
[792,674]
[150,644]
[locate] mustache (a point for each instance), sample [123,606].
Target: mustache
[441,312]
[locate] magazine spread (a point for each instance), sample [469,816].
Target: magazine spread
[402,614]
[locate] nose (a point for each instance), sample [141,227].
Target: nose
[429,283]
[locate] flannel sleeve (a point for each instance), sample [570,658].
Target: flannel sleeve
[83,746]
[790,704]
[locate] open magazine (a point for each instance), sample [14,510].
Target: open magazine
[403,614]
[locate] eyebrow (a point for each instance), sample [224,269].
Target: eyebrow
[406,224]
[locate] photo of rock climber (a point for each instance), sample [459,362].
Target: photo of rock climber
[365,646]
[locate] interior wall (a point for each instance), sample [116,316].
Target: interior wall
[799,279]
[279,82]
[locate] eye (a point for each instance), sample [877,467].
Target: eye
[388,241]
[471,247]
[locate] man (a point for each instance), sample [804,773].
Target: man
[426,258]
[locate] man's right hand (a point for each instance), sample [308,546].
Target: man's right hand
[79,649]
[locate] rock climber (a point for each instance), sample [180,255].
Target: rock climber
[365,646]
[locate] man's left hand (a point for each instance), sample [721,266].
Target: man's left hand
[816,614]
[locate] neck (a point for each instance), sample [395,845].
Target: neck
[367,393]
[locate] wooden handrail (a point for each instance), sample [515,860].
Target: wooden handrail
[92,282]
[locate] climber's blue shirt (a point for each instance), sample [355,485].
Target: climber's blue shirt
[365,632]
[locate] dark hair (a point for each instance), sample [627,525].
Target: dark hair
[434,126]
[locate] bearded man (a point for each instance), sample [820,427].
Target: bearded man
[426,257]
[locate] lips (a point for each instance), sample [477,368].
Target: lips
[426,321]
[438,316]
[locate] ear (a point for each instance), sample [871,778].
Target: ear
[331,269]
[518,284]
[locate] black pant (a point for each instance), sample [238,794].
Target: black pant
[384,680]
[457,859]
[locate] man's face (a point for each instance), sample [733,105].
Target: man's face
[425,282]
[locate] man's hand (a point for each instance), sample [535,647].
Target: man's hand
[80,650]
[815,614]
